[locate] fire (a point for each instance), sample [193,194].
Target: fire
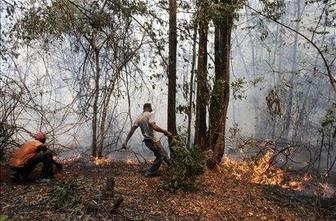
[307,177]
[102,161]
[262,172]
[326,190]
[131,162]
[71,159]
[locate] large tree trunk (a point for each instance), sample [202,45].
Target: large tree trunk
[202,90]
[172,68]
[221,90]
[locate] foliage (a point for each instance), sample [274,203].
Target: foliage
[102,35]
[187,165]
[330,117]
[273,102]
[257,80]
[234,131]
[238,88]
[11,94]
[66,17]
[3,217]
[274,9]
[219,11]
[65,194]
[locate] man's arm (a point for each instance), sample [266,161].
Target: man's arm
[43,148]
[159,129]
[129,135]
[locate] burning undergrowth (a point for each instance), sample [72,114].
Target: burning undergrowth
[264,171]
[101,161]
[97,161]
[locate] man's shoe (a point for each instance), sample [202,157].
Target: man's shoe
[47,176]
[151,174]
[16,178]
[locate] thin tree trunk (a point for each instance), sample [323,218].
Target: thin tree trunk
[95,104]
[172,69]
[105,110]
[257,128]
[192,83]
[128,99]
[294,69]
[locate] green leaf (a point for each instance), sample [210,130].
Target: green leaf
[3,217]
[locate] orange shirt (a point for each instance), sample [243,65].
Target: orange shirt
[25,152]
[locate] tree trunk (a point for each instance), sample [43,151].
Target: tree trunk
[192,83]
[172,69]
[105,110]
[294,67]
[95,104]
[255,97]
[221,90]
[202,90]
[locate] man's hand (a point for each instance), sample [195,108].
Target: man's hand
[124,146]
[168,134]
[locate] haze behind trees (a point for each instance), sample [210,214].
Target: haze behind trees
[82,69]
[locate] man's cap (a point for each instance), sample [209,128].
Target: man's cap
[147,105]
[40,136]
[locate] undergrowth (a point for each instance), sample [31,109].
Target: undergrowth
[187,165]
[65,194]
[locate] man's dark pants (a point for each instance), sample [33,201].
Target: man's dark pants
[43,157]
[160,154]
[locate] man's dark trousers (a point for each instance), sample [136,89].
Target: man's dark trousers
[160,154]
[43,157]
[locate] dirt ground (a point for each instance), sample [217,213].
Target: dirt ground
[218,197]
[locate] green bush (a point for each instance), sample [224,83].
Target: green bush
[187,164]
[65,194]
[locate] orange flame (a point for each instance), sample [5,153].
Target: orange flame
[262,172]
[71,159]
[103,161]
[131,162]
[326,190]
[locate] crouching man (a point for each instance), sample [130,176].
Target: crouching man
[148,127]
[24,160]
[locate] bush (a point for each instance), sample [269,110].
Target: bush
[187,165]
[65,194]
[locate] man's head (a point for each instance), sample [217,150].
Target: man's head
[40,136]
[147,107]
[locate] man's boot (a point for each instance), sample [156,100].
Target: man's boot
[16,177]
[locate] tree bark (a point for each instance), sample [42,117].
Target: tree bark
[192,83]
[288,118]
[202,90]
[221,89]
[172,69]
[105,110]
[95,103]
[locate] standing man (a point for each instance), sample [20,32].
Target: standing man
[24,160]
[148,127]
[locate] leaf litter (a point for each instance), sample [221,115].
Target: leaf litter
[79,193]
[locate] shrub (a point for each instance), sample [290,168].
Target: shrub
[187,165]
[65,194]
